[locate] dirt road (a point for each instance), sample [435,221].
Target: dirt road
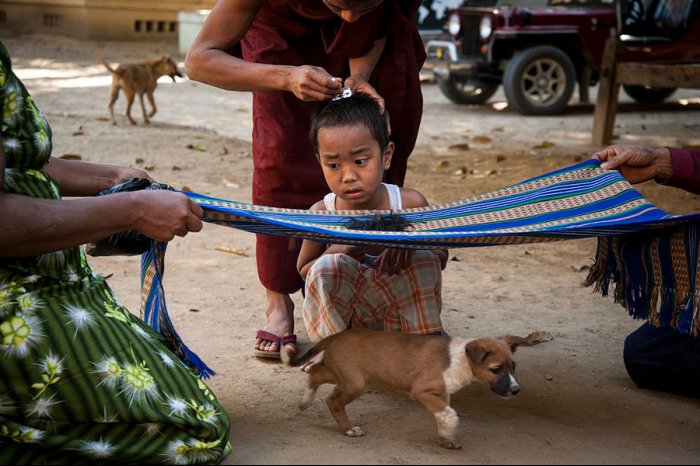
[577,405]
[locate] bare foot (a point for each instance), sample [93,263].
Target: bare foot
[280,322]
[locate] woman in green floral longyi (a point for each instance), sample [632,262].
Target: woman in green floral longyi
[82,380]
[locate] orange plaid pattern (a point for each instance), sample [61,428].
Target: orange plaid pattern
[342,293]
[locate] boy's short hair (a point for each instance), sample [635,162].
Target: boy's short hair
[358,108]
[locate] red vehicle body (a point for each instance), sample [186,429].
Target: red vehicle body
[539,54]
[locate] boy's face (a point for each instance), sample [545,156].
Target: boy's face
[353,165]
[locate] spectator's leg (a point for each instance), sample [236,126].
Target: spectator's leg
[663,359]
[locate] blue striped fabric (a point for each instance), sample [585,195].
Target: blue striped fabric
[575,202]
[155,312]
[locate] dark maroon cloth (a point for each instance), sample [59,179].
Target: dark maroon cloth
[662,358]
[304,32]
[686,170]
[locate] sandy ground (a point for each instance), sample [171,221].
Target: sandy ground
[577,404]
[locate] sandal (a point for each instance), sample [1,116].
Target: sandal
[290,339]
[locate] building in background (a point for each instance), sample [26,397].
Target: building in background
[98,19]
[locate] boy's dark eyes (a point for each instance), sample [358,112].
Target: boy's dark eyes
[332,166]
[361,162]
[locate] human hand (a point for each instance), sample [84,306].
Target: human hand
[358,84]
[356,252]
[312,83]
[637,163]
[393,261]
[162,214]
[124,173]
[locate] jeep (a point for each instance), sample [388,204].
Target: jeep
[432,14]
[539,54]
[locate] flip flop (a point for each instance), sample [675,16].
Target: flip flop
[281,341]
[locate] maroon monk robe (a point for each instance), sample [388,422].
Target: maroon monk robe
[286,172]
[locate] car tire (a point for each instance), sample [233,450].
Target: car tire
[539,81]
[466,92]
[649,95]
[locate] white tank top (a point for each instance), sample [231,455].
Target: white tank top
[394,198]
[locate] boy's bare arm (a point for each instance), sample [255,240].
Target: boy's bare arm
[312,250]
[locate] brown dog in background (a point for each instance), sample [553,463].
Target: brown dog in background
[138,78]
[429,367]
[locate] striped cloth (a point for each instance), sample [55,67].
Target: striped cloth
[155,313]
[650,255]
[579,201]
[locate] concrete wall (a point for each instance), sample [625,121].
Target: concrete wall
[98,19]
[189,22]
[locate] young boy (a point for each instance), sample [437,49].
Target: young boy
[356,286]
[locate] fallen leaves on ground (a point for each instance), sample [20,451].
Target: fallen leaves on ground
[232,250]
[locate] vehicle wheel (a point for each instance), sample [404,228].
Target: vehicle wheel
[465,92]
[649,95]
[539,81]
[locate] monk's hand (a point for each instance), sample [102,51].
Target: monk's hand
[357,83]
[313,83]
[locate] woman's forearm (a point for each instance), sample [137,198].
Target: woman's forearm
[83,179]
[38,226]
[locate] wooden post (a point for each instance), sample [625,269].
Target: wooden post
[606,104]
[584,84]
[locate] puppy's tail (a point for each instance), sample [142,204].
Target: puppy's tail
[104,62]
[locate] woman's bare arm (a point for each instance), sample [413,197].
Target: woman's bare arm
[35,226]
[87,179]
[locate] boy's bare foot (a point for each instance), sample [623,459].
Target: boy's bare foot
[280,322]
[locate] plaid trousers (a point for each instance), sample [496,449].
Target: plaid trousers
[341,293]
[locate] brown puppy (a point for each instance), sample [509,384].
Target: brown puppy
[429,367]
[138,78]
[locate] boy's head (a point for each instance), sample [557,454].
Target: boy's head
[351,141]
[359,108]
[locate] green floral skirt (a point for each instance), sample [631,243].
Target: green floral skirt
[82,380]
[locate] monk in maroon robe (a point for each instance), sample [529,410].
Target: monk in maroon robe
[292,54]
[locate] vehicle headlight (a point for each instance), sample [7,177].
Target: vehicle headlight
[485,27]
[454,24]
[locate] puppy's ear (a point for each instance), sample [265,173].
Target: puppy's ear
[477,352]
[514,342]
[539,336]
[532,339]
